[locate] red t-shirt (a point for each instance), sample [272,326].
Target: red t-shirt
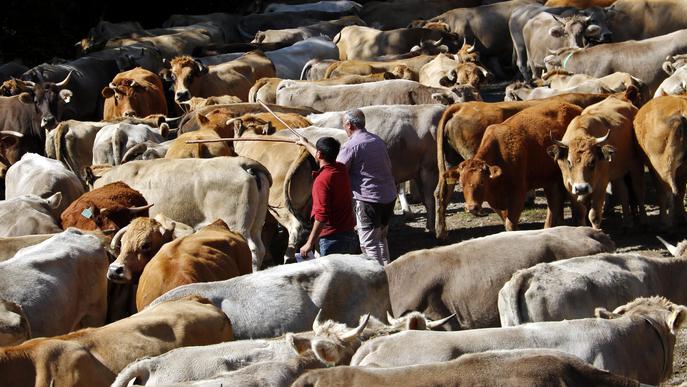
[332,199]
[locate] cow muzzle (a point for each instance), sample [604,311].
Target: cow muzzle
[48,122]
[581,189]
[476,210]
[118,273]
[182,95]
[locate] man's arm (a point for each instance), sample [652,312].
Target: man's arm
[308,146]
[312,239]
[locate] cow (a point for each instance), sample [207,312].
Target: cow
[579,3]
[10,245]
[637,20]
[520,91]
[460,132]
[179,149]
[71,142]
[249,25]
[142,55]
[530,295]
[659,129]
[407,68]
[338,97]
[244,181]
[213,253]
[385,15]
[266,123]
[410,135]
[513,368]
[134,93]
[93,357]
[365,43]
[443,71]
[644,62]
[29,215]
[290,296]
[41,176]
[615,83]
[546,31]
[110,207]
[20,130]
[112,142]
[315,69]
[518,167]
[104,31]
[182,42]
[649,323]
[675,84]
[265,89]
[289,61]
[193,79]
[445,281]
[598,147]
[328,28]
[674,62]
[324,6]
[14,326]
[68,290]
[199,102]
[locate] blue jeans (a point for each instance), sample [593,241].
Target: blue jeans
[339,243]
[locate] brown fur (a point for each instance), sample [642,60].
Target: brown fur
[145,98]
[180,149]
[116,198]
[579,3]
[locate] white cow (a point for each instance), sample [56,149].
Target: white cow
[289,61]
[675,84]
[29,215]
[59,283]
[41,176]
[113,141]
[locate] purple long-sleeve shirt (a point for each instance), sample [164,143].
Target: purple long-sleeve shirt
[369,167]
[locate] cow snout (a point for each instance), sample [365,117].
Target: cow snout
[48,121]
[605,37]
[130,113]
[118,273]
[475,209]
[182,95]
[581,188]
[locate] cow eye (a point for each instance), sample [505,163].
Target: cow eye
[145,246]
[569,163]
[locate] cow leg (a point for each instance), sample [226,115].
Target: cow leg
[254,237]
[442,196]
[622,193]
[403,200]
[495,66]
[296,232]
[637,178]
[428,178]
[517,204]
[554,201]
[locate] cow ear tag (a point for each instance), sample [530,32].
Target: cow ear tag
[87,213]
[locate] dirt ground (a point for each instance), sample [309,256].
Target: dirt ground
[407,233]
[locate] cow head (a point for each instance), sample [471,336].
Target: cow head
[517,91]
[674,62]
[16,86]
[582,161]
[467,53]
[402,71]
[184,72]
[576,30]
[138,243]
[52,100]
[597,30]
[430,47]
[667,315]
[476,178]
[252,125]
[14,326]
[11,148]
[457,94]
[468,73]
[126,97]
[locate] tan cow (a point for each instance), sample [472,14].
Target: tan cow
[460,132]
[512,160]
[214,253]
[134,93]
[401,68]
[444,71]
[93,357]
[661,131]
[196,103]
[194,79]
[598,148]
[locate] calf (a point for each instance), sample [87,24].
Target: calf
[599,147]
[134,93]
[512,160]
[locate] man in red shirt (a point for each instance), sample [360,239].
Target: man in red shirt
[332,202]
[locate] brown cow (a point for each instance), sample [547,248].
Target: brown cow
[194,79]
[460,132]
[110,207]
[214,253]
[20,128]
[512,160]
[134,93]
[190,121]
[579,3]
[598,148]
[661,131]
[94,356]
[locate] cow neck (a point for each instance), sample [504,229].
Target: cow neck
[655,329]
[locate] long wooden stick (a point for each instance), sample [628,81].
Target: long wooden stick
[243,139]
[279,119]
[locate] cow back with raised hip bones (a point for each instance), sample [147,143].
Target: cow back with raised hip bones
[629,19]
[561,290]
[29,215]
[287,298]
[661,132]
[234,189]
[605,341]
[465,278]
[113,142]
[68,288]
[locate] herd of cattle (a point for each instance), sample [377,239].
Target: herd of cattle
[132,238]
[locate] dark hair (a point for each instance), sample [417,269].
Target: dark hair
[329,148]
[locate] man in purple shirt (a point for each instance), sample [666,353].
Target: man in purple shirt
[372,183]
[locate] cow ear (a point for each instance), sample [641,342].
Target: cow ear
[54,200]
[203,120]
[164,129]
[446,82]
[607,151]
[66,95]
[107,92]
[268,129]
[416,323]
[299,344]
[677,318]
[388,75]
[239,128]
[557,152]
[326,350]
[25,98]
[556,32]
[494,171]
[605,314]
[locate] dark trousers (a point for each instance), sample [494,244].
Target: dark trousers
[339,243]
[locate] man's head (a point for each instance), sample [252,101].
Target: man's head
[354,119]
[327,149]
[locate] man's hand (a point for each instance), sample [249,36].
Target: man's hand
[302,141]
[305,249]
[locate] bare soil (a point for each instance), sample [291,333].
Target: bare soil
[407,233]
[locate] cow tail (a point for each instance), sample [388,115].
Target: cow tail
[330,69]
[252,93]
[116,147]
[306,68]
[511,299]
[337,38]
[139,372]
[59,141]
[295,165]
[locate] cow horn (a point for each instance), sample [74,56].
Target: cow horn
[112,86]
[465,41]
[30,84]
[133,83]
[390,318]
[173,119]
[471,49]
[316,323]
[117,237]
[12,133]
[139,209]
[354,333]
[599,140]
[556,18]
[438,42]
[438,323]
[65,80]
[671,248]
[559,143]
